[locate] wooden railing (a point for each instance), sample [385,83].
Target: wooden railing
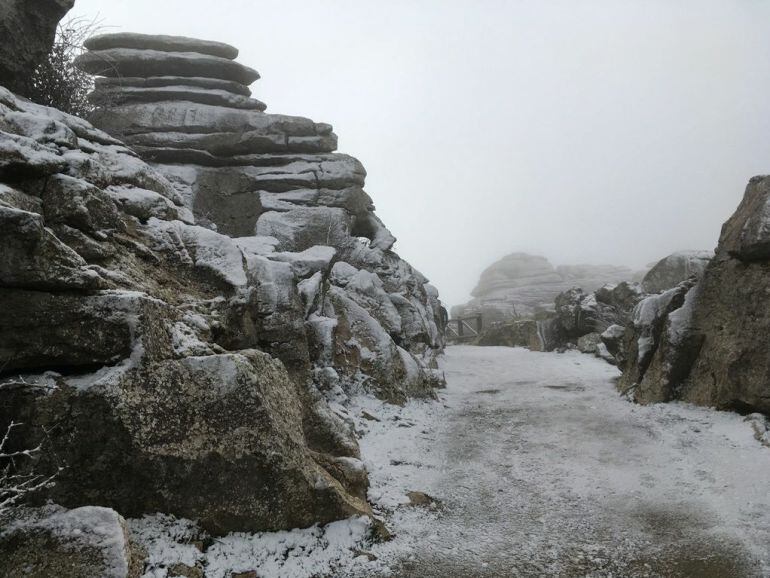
[463,329]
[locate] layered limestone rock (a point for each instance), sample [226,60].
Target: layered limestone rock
[27,29]
[247,174]
[171,355]
[522,285]
[706,342]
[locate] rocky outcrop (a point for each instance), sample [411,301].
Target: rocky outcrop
[522,285]
[28,28]
[596,322]
[706,342]
[170,354]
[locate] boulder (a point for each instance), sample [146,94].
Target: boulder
[579,313]
[229,423]
[677,267]
[72,332]
[79,543]
[28,29]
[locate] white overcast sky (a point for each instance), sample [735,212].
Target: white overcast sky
[599,131]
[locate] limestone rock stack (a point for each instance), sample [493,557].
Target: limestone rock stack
[184,334]
[522,285]
[296,208]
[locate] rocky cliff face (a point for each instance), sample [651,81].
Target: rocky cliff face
[184,334]
[28,28]
[706,342]
[521,285]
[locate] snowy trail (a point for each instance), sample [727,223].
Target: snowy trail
[543,470]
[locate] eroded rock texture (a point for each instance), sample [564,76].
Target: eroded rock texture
[175,356]
[706,342]
[52,541]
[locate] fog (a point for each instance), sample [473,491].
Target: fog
[592,131]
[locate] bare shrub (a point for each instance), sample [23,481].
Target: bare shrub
[57,82]
[18,477]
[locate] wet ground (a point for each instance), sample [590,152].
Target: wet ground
[540,468]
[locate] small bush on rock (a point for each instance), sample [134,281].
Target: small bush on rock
[57,82]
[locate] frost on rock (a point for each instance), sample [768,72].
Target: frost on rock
[52,541]
[200,367]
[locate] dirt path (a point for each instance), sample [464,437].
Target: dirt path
[541,469]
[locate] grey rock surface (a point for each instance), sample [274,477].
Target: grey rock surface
[116,62]
[705,341]
[161,42]
[675,268]
[169,342]
[28,29]
[52,541]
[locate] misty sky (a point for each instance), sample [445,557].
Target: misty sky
[599,131]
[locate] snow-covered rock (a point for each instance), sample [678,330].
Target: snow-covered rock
[705,341]
[52,541]
[675,268]
[189,364]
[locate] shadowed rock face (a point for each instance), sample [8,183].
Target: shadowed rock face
[27,29]
[706,343]
[183,359]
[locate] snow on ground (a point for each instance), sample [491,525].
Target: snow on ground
[301,553]
[539,468]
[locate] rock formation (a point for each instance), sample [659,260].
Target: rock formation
[595,322]
[522,285]
[52,541]
[706,342]
[677,267]
[591,321]
[27,29]
[183,335]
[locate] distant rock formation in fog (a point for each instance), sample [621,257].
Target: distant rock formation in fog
[521,285]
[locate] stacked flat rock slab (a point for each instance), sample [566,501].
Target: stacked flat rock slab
[179,68]
[167,337]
